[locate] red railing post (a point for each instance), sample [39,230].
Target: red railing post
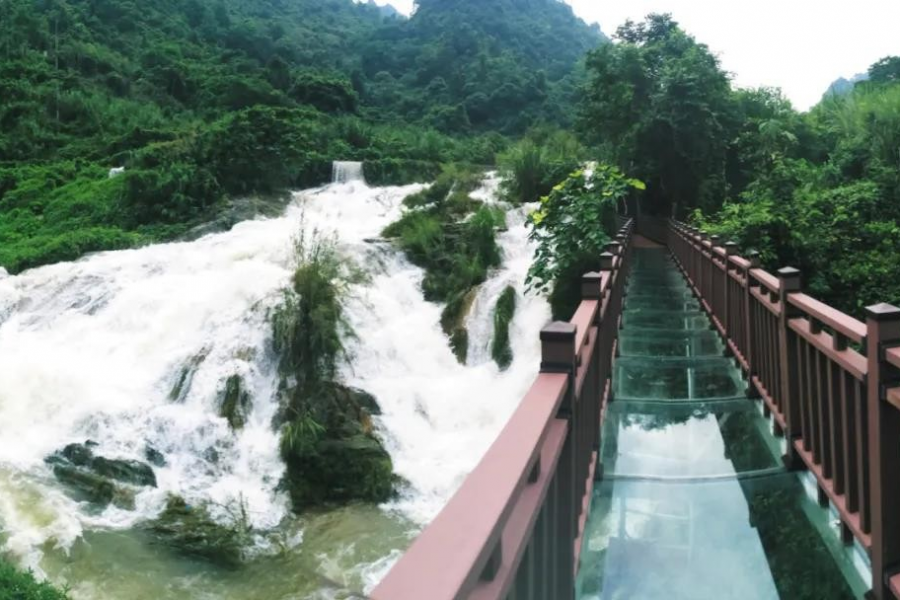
[730,250]
[789,283]
[883,330]
[559,355]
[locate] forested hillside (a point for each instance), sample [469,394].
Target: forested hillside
[199,101]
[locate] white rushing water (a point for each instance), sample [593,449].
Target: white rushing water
[343,171]
[92,350]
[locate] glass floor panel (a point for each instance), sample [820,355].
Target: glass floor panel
[665,344]
[695,503]
[677,380]
[687,441]
[665,319]
[663,303]
[757,538]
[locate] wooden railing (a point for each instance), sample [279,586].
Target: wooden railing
[830,382]
[513,530]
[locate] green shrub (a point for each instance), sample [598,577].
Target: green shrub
[505,309]
[21,585]
[572,227]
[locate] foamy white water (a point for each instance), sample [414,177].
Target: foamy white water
[92,350]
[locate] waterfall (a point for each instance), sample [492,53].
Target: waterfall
[347,172]
[92,349]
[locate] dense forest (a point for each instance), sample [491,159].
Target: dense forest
[819,191]
[200,102]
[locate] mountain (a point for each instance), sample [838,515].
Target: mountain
[387,11]
[844,86]
[201,101]
[488,65]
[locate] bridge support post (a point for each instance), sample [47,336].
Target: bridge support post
[559,355]
[883,324]
[789,280]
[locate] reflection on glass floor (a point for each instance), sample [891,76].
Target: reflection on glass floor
[695,503]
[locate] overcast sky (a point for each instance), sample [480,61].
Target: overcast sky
[800,46]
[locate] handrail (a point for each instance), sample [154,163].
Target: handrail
[840,322]
[893,356]
[837,405]
[539,470]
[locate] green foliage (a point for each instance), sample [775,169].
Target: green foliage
[22,585]
[191,530]
[572,226]
[327,443]
[501,350]
[451,236]
[535,164]
[886,70]
[309,324]
[659,105]
[835,215]
[202,103]
[470,65]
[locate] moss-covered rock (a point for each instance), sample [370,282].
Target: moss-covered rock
[99,479]
[453,322]
[236,402]
[182,384]
[505,309]
[190,530]
[86,485]
[330,449]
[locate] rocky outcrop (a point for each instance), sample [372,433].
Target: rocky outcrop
[330,449]
[99,479]
[236,403]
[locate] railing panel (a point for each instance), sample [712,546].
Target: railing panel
[512,529]
[838,406]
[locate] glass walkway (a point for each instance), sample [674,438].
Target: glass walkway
[694,502]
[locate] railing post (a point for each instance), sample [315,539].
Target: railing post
[789,280]
[730,249]
[559,355]
[883,325]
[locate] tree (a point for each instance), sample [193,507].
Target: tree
[660,106]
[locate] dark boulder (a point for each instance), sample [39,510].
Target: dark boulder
[330,449]
[128,471]
[236,402]
[98,479]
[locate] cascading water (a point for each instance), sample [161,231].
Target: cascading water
[93,350]
[346,172]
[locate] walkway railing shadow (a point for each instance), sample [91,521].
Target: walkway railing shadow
[513,529]
[830,382]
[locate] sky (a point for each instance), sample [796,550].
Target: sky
[800,46]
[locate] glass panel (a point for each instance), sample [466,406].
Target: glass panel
[749,539]
[681,441]
[665,319]
[662,302]
[670,344]
[677,379]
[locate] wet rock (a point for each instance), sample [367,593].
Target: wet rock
[128,471]
[190,530]
[330,450]
[186,376]
[236,403]
[92,487]
[154,456]
[98,479]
